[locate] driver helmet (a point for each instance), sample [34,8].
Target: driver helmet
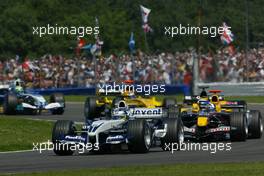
[18,86]
[19,89]
[119,113]
[211,107]
[206,105]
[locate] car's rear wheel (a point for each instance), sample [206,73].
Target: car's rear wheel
[139,136]
[10,104]
[60,130]
[239,128]
[255,127]
[174,135]
[173,112]
[167,102]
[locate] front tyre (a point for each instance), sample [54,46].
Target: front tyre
[239,128]
[255,127]
[139,136]
[61,129]
[90,109]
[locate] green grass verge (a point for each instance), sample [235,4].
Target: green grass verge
[17,133]
[75,98]
[249,99]
[219,169]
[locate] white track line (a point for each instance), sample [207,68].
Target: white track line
[18,151]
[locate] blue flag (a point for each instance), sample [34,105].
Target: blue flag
[132,43]
[87,47]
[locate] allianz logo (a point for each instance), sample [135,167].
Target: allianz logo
[146,111]
[115,138]
[75,138]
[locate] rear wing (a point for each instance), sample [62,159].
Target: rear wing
[195,98]
[234,104]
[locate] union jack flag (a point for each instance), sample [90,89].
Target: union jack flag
[227,37]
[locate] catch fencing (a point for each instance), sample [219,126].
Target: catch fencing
[235,89]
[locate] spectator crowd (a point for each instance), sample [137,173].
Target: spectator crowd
[165,68]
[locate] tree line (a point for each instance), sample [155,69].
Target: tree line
[118,18]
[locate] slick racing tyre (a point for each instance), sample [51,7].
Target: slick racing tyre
[10,104]
[174,135]
[60,130]
[167,102]
[90,109]
[139,136]
[58,98]
[173,111]
[239,128]
[255,127]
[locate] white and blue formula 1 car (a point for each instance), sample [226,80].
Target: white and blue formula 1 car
[128,127]
[14,100]
[26,103]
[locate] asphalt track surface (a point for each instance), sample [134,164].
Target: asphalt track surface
[33,161]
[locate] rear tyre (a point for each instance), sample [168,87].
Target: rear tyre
[139,136]
[169,102]
[174,135]
[58,98]
[239,128]
[255,127]
[173,111]
[10,104]
[60,130]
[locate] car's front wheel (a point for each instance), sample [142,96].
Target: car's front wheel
[239,128]
[255,127]
[61,129]
[139,136]
[90,109]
